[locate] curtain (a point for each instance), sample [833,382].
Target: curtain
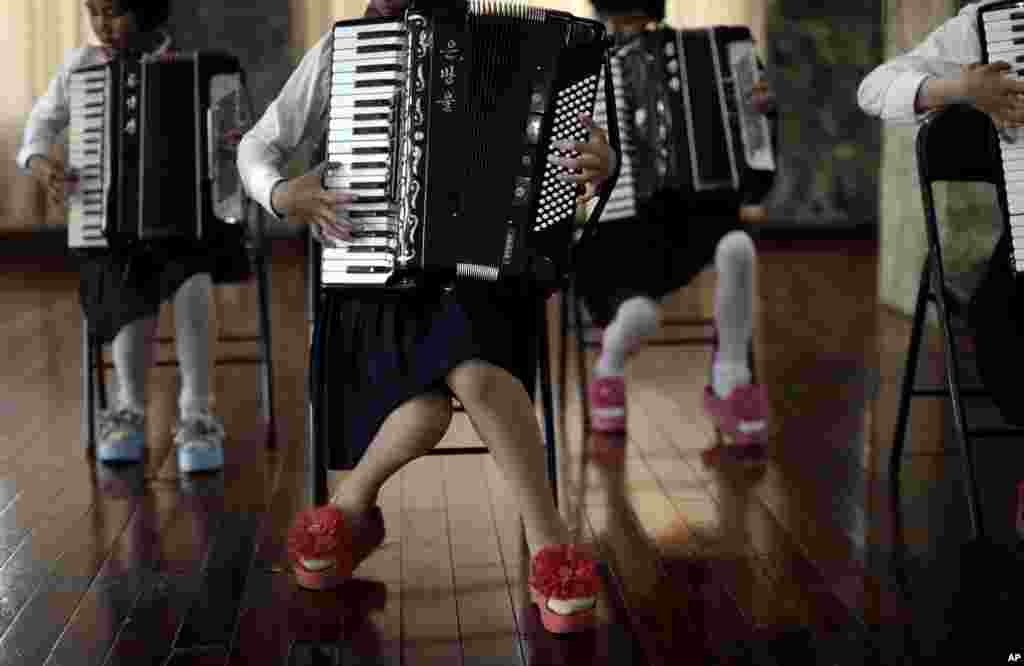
[36,35]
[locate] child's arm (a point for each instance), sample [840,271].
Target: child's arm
[941,71]
[299,112]
[49,117]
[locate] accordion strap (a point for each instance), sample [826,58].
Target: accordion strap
[590,226]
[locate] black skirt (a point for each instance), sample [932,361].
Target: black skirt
[373,351]
[117,288]
[653,254]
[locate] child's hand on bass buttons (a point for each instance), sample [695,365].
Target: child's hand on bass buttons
[593,166]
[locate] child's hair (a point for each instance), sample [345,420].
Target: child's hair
[653,8]
[149,14]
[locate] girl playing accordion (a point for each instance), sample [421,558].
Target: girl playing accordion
[397,359]
[676,240]
[121,292]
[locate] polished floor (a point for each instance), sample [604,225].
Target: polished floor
[794,559]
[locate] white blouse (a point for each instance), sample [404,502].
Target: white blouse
[298,113]
[890,91]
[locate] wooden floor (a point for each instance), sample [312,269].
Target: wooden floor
[707,561]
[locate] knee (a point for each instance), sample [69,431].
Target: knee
[479,383]
[434,415]
[735,249]
[643,312]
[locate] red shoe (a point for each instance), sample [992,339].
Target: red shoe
[607,448]
[564,585]
[607,397]
[325,549]
[743,416]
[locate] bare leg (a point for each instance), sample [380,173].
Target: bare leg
[501,411]
[414,428]
[133,353]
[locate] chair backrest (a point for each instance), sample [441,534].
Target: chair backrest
[959,144]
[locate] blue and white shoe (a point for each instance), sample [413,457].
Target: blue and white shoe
[200,442]
[122,436]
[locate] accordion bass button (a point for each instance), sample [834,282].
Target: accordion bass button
[674,83]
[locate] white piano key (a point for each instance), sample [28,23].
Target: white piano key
[337,149]
[374,279]
[363,100]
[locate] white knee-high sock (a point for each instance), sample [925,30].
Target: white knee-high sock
[133,352]
[192,338]
[636,320]
[735,262]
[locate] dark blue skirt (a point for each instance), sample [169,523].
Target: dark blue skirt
[373,351]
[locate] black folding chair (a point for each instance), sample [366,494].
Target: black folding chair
[958,144]
[94,366]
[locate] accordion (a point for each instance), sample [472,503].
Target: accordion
[442,122]
[145,141]
[1001,28]
[685,123]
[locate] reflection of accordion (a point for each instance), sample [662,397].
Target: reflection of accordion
[146,142]
[685,123]
[442,122]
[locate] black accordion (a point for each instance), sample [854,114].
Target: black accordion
[442,122]
[1001,28]
[146,143]
[685,124]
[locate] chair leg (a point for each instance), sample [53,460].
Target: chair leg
[88,393]
[316,465]
[101,376]
[563,361]
[581,359]
[909,377]
[550,445]
[953,379]
[267,367]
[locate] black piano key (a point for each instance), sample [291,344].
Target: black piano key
[371,116]
[367,269]
[1018,41]
[391,235]
[379,48]
[369,69]
[376,150]
[380,34]
[359,214]
[371,130]
[375,83]
[1017,28]
[363,103]
[356,166]
[367,186]
[370,200]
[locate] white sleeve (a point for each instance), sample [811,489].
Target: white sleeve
[890,91]
[298,113]
[49,117]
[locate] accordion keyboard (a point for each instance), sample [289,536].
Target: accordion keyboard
[88,157]
[1004,41]
[367,75]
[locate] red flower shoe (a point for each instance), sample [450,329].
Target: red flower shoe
[742,416]
[564,585]
[607,397]
[325,547]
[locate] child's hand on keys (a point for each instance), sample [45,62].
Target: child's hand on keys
[762,100]
[305,200]
[595,163]
[990,89]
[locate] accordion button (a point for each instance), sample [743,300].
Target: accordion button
[674,83]
[673,66]
[670,49]
[129,127]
